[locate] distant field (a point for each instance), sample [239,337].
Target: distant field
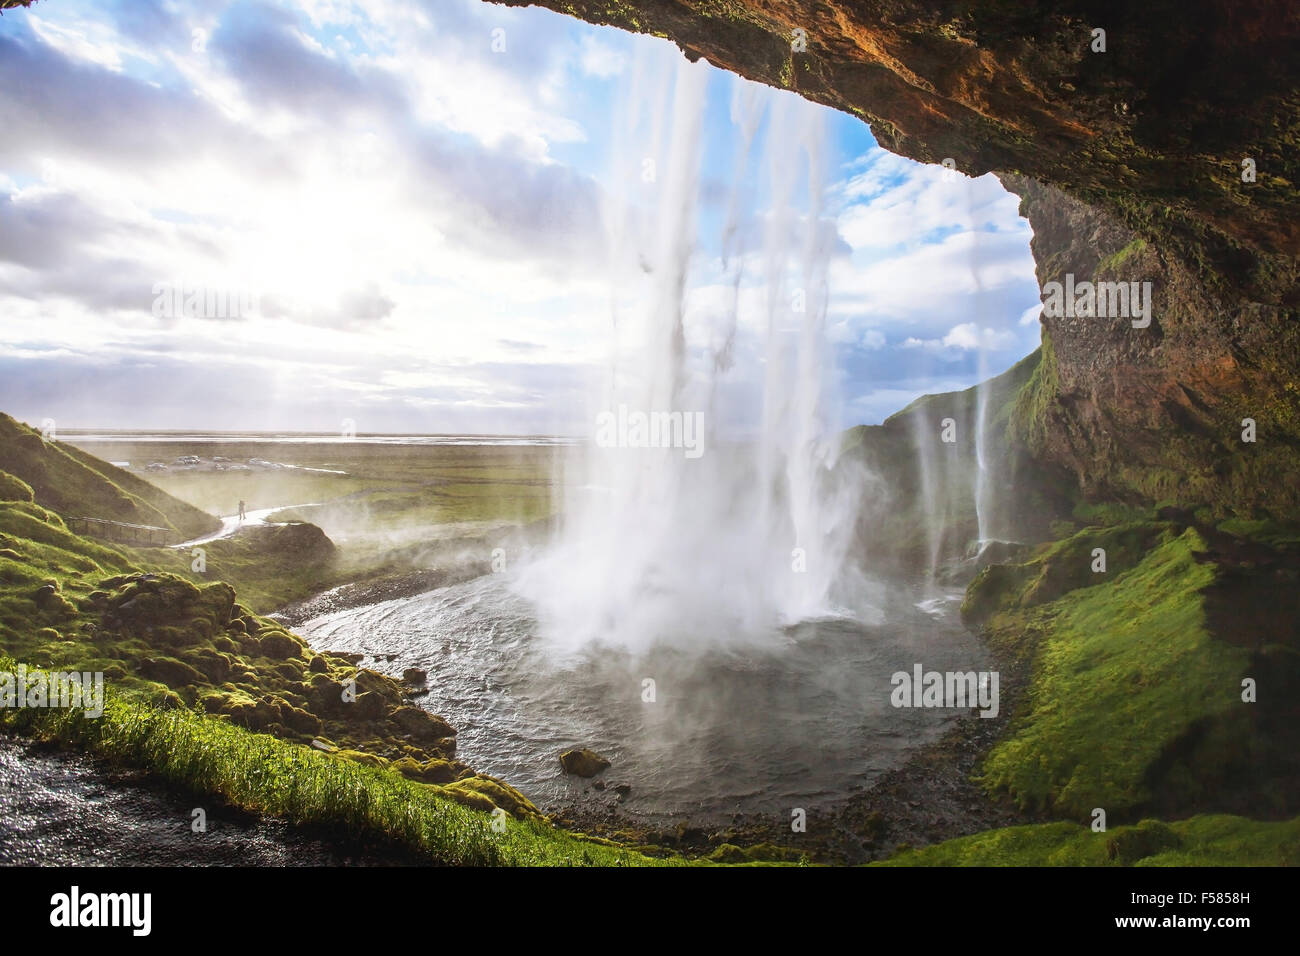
[363,491]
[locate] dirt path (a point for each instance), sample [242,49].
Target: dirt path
[232,523]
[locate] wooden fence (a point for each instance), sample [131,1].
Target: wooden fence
[138,534]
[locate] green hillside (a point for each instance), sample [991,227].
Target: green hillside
[73,483]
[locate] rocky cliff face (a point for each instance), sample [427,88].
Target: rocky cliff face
[1156,414]
[1132,152]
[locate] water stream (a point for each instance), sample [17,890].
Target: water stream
[797,722]
[65,809]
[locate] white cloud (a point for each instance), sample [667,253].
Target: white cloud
[599,60]
[80,40]
[967,337]
[894,202]
[415,213]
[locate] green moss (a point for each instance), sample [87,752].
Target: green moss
[758,853]
[436,771]
[357,756]
[1028,416]
[1120,256]
[1109,512]
[264,775]
[1207,840]
[1126,678]
[487,793]
[1059,567]
[1278,534]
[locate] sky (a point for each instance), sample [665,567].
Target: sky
[411,211]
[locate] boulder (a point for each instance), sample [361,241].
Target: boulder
[481,791]
[280,646]
[326,695]
[169,671]
[370,706]
[299,540]
[299,720]
[421,725]
[215,667]
[365,759]
[583,763]
[429,771]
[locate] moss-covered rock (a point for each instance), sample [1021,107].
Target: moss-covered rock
[484,792]
[358,756]
[170,671]
[423,726]
[370,706]
[583,763]
[279,645]
[436,771]
[1148,838]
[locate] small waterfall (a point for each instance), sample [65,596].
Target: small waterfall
[746,530]
[983,486]
[933,493]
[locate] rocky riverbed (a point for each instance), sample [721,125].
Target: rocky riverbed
[67,809]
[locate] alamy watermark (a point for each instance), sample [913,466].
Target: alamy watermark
[637,429]
[177,300]
[957,689]
[73,909]
[57,690]
[1108,300]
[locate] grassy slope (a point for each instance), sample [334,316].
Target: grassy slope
[1134,703]
[1207,840]
[267,570]
[260,773]
[1129,669]
[1134,675]
[73,483]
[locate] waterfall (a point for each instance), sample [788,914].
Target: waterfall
[982,484]
[685,525]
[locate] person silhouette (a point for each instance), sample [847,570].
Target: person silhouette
[241,510]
